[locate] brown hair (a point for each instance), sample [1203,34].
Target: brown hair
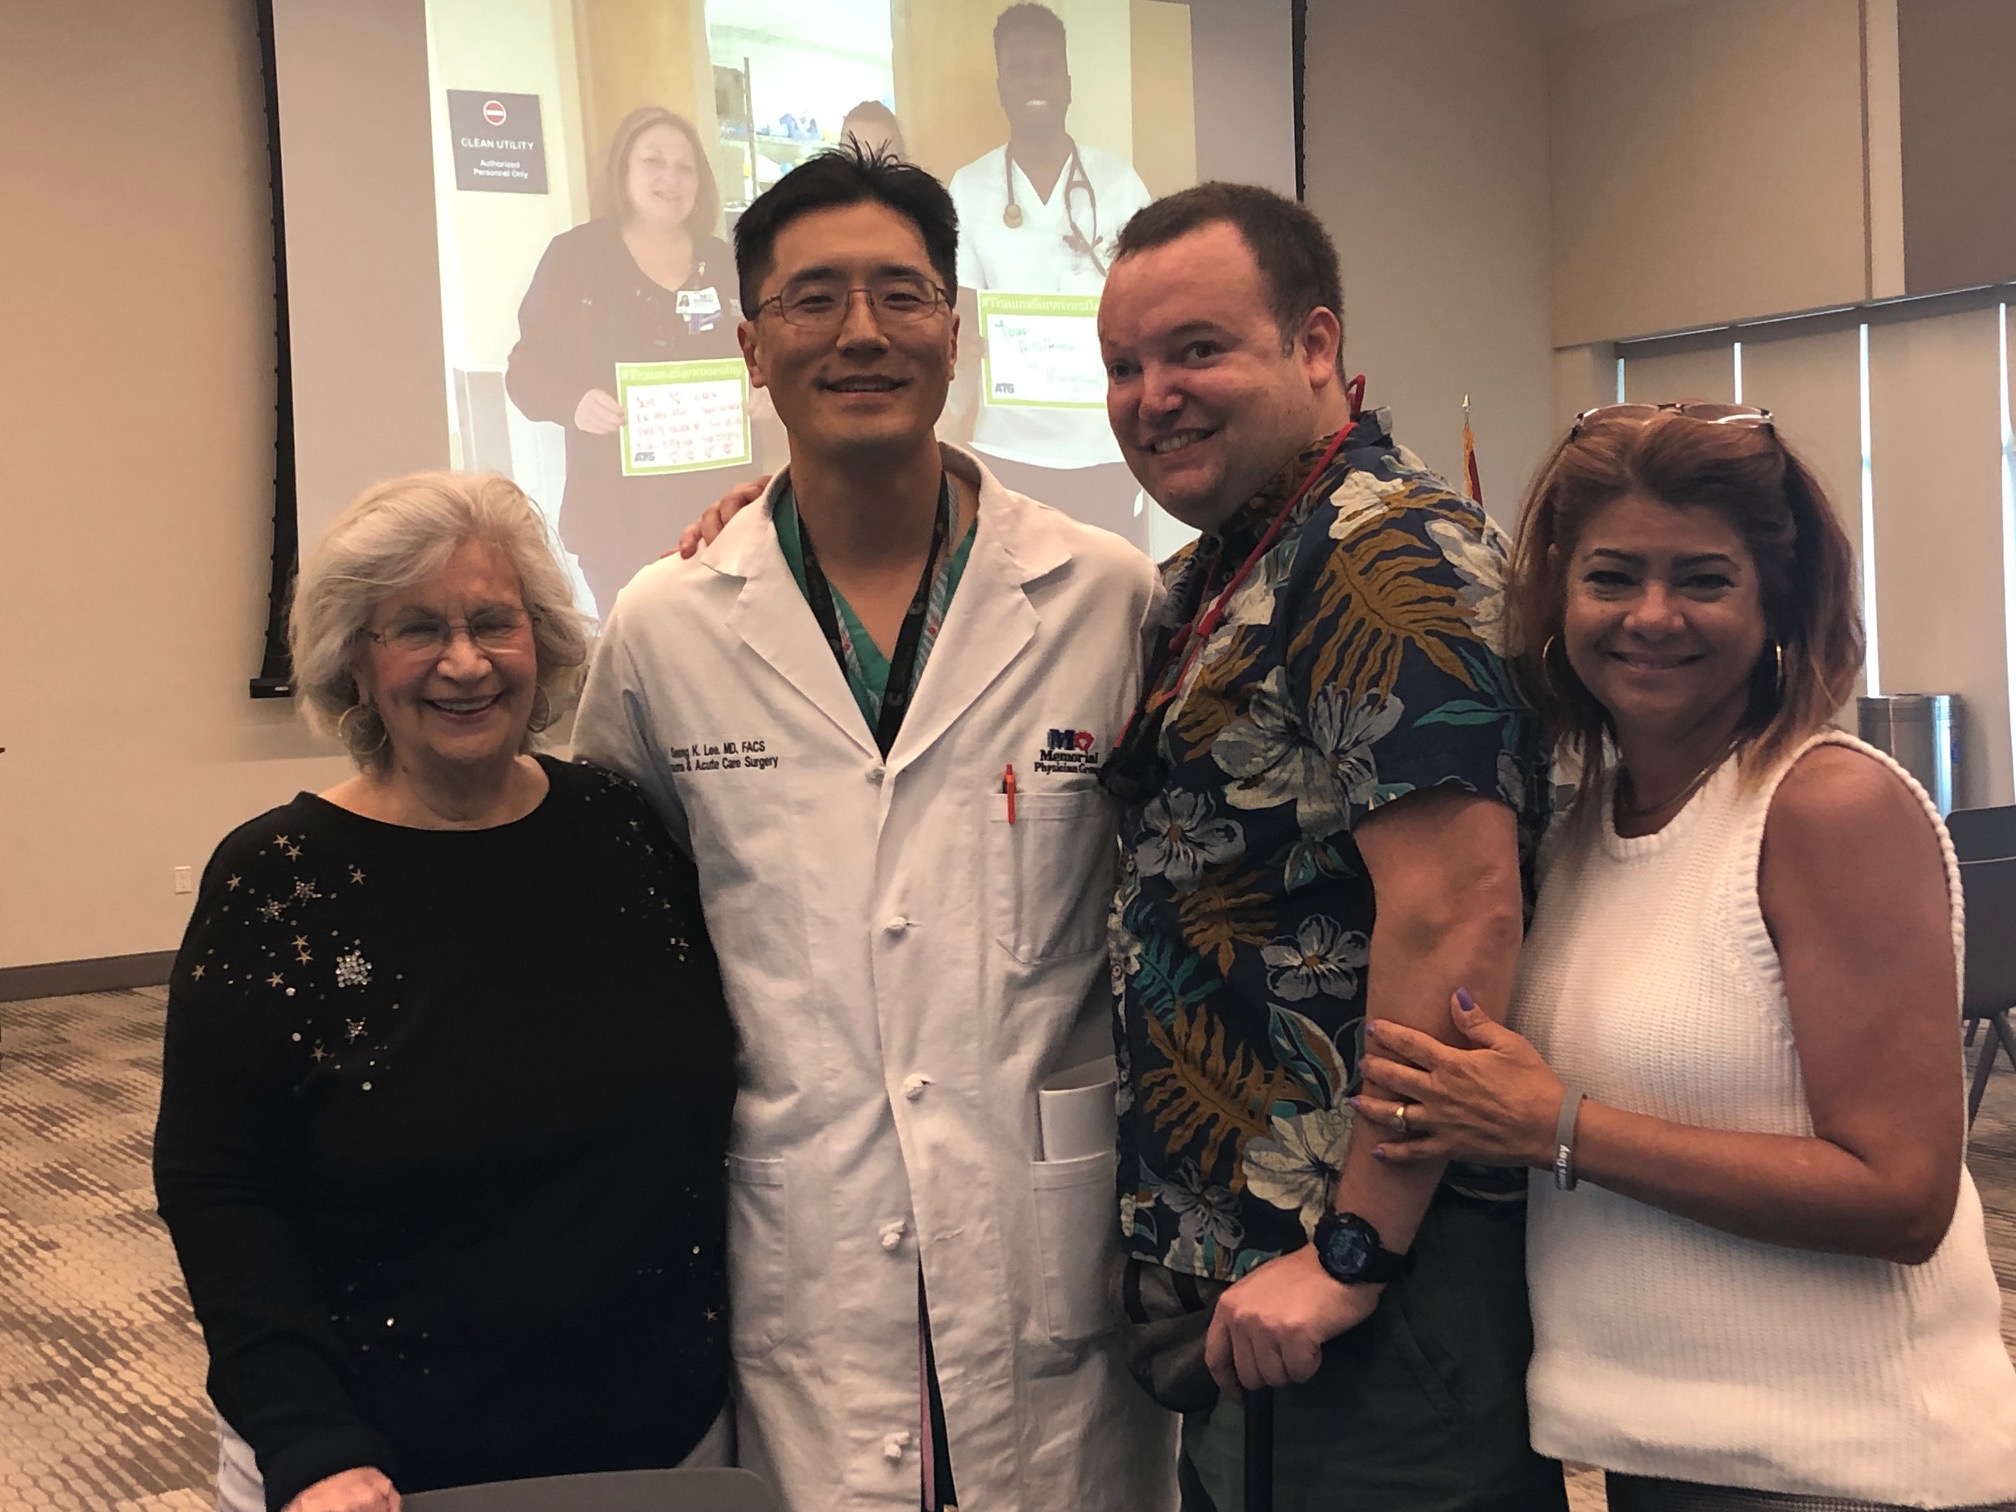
[615,187]
[1748,476]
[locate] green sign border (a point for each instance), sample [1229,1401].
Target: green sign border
[658,374]
[1000,302]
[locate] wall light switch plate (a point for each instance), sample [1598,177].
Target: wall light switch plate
[183,880]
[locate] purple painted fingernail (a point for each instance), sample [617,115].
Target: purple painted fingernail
[1469,1004]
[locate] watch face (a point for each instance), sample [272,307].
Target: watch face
[1347,1246]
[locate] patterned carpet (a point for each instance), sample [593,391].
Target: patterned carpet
[101,1367]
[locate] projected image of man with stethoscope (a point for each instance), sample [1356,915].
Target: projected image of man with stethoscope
[1037,219]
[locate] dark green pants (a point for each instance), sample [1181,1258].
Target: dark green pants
[1421,1408]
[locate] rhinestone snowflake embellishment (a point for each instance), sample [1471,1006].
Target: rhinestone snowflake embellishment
[352,970]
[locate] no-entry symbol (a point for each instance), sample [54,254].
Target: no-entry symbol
[493,112]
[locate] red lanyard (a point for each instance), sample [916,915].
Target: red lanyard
[1198,632]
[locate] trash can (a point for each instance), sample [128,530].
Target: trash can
[1921,731]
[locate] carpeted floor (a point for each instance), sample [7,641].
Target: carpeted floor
[101,1367]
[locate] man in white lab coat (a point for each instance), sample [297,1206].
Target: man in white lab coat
[874,709]
[1039,215]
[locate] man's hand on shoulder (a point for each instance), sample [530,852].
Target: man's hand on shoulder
[704,531]
[1270,1327]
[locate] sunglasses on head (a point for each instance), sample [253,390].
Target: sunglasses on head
[1747,415]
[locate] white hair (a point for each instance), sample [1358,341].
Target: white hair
[396,534]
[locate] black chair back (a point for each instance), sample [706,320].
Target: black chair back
[615,1491]
[1989,888]
[1983,834]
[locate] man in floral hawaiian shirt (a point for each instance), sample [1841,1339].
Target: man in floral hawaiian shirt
[1329,726]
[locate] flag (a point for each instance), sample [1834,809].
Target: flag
[1470,457]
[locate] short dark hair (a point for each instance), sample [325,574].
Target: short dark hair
[1298,261]
[830,180]
[1027,16]
[616,171]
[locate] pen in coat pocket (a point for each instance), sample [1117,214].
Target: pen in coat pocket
[1008,788]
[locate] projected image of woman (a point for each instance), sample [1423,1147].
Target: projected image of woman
[645,281]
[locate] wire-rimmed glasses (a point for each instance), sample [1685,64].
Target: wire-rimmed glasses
[490,631]
[820,303]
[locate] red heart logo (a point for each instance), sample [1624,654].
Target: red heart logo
[1084,740]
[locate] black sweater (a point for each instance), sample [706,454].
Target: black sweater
[443,1121]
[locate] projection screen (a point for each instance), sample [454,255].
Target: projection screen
[472,189]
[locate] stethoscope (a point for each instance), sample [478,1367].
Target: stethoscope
[1075,177]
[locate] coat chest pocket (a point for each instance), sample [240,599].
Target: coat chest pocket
[1051,873]
[758,1255]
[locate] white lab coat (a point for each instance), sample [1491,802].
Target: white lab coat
[906,969]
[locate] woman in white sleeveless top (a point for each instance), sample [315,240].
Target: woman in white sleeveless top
[1757,1264]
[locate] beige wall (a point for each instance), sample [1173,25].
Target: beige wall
[1935,452]
[1706,373]
[1427,158]
[1707,162]
[1812,383]
[136,470]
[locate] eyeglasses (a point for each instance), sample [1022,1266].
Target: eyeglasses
[1747,415]
[490,632]
[821,304]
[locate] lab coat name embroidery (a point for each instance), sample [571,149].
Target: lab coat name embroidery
[1067,752]
[720,756]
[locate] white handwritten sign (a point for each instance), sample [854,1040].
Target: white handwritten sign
[1042,351]
[683,416]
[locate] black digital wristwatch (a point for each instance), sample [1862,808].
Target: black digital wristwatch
[1348,1249]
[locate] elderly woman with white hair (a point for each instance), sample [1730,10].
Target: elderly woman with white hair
[448,1073]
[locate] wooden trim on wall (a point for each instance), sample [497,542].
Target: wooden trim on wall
[104,974]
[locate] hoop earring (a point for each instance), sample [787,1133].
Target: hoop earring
[343,731]
[1547,668]
[542,712]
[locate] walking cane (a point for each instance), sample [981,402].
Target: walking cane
[1260,1450]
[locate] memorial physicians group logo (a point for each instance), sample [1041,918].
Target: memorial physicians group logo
[1068,751]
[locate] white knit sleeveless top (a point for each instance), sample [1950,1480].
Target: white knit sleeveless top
[1666,1348]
